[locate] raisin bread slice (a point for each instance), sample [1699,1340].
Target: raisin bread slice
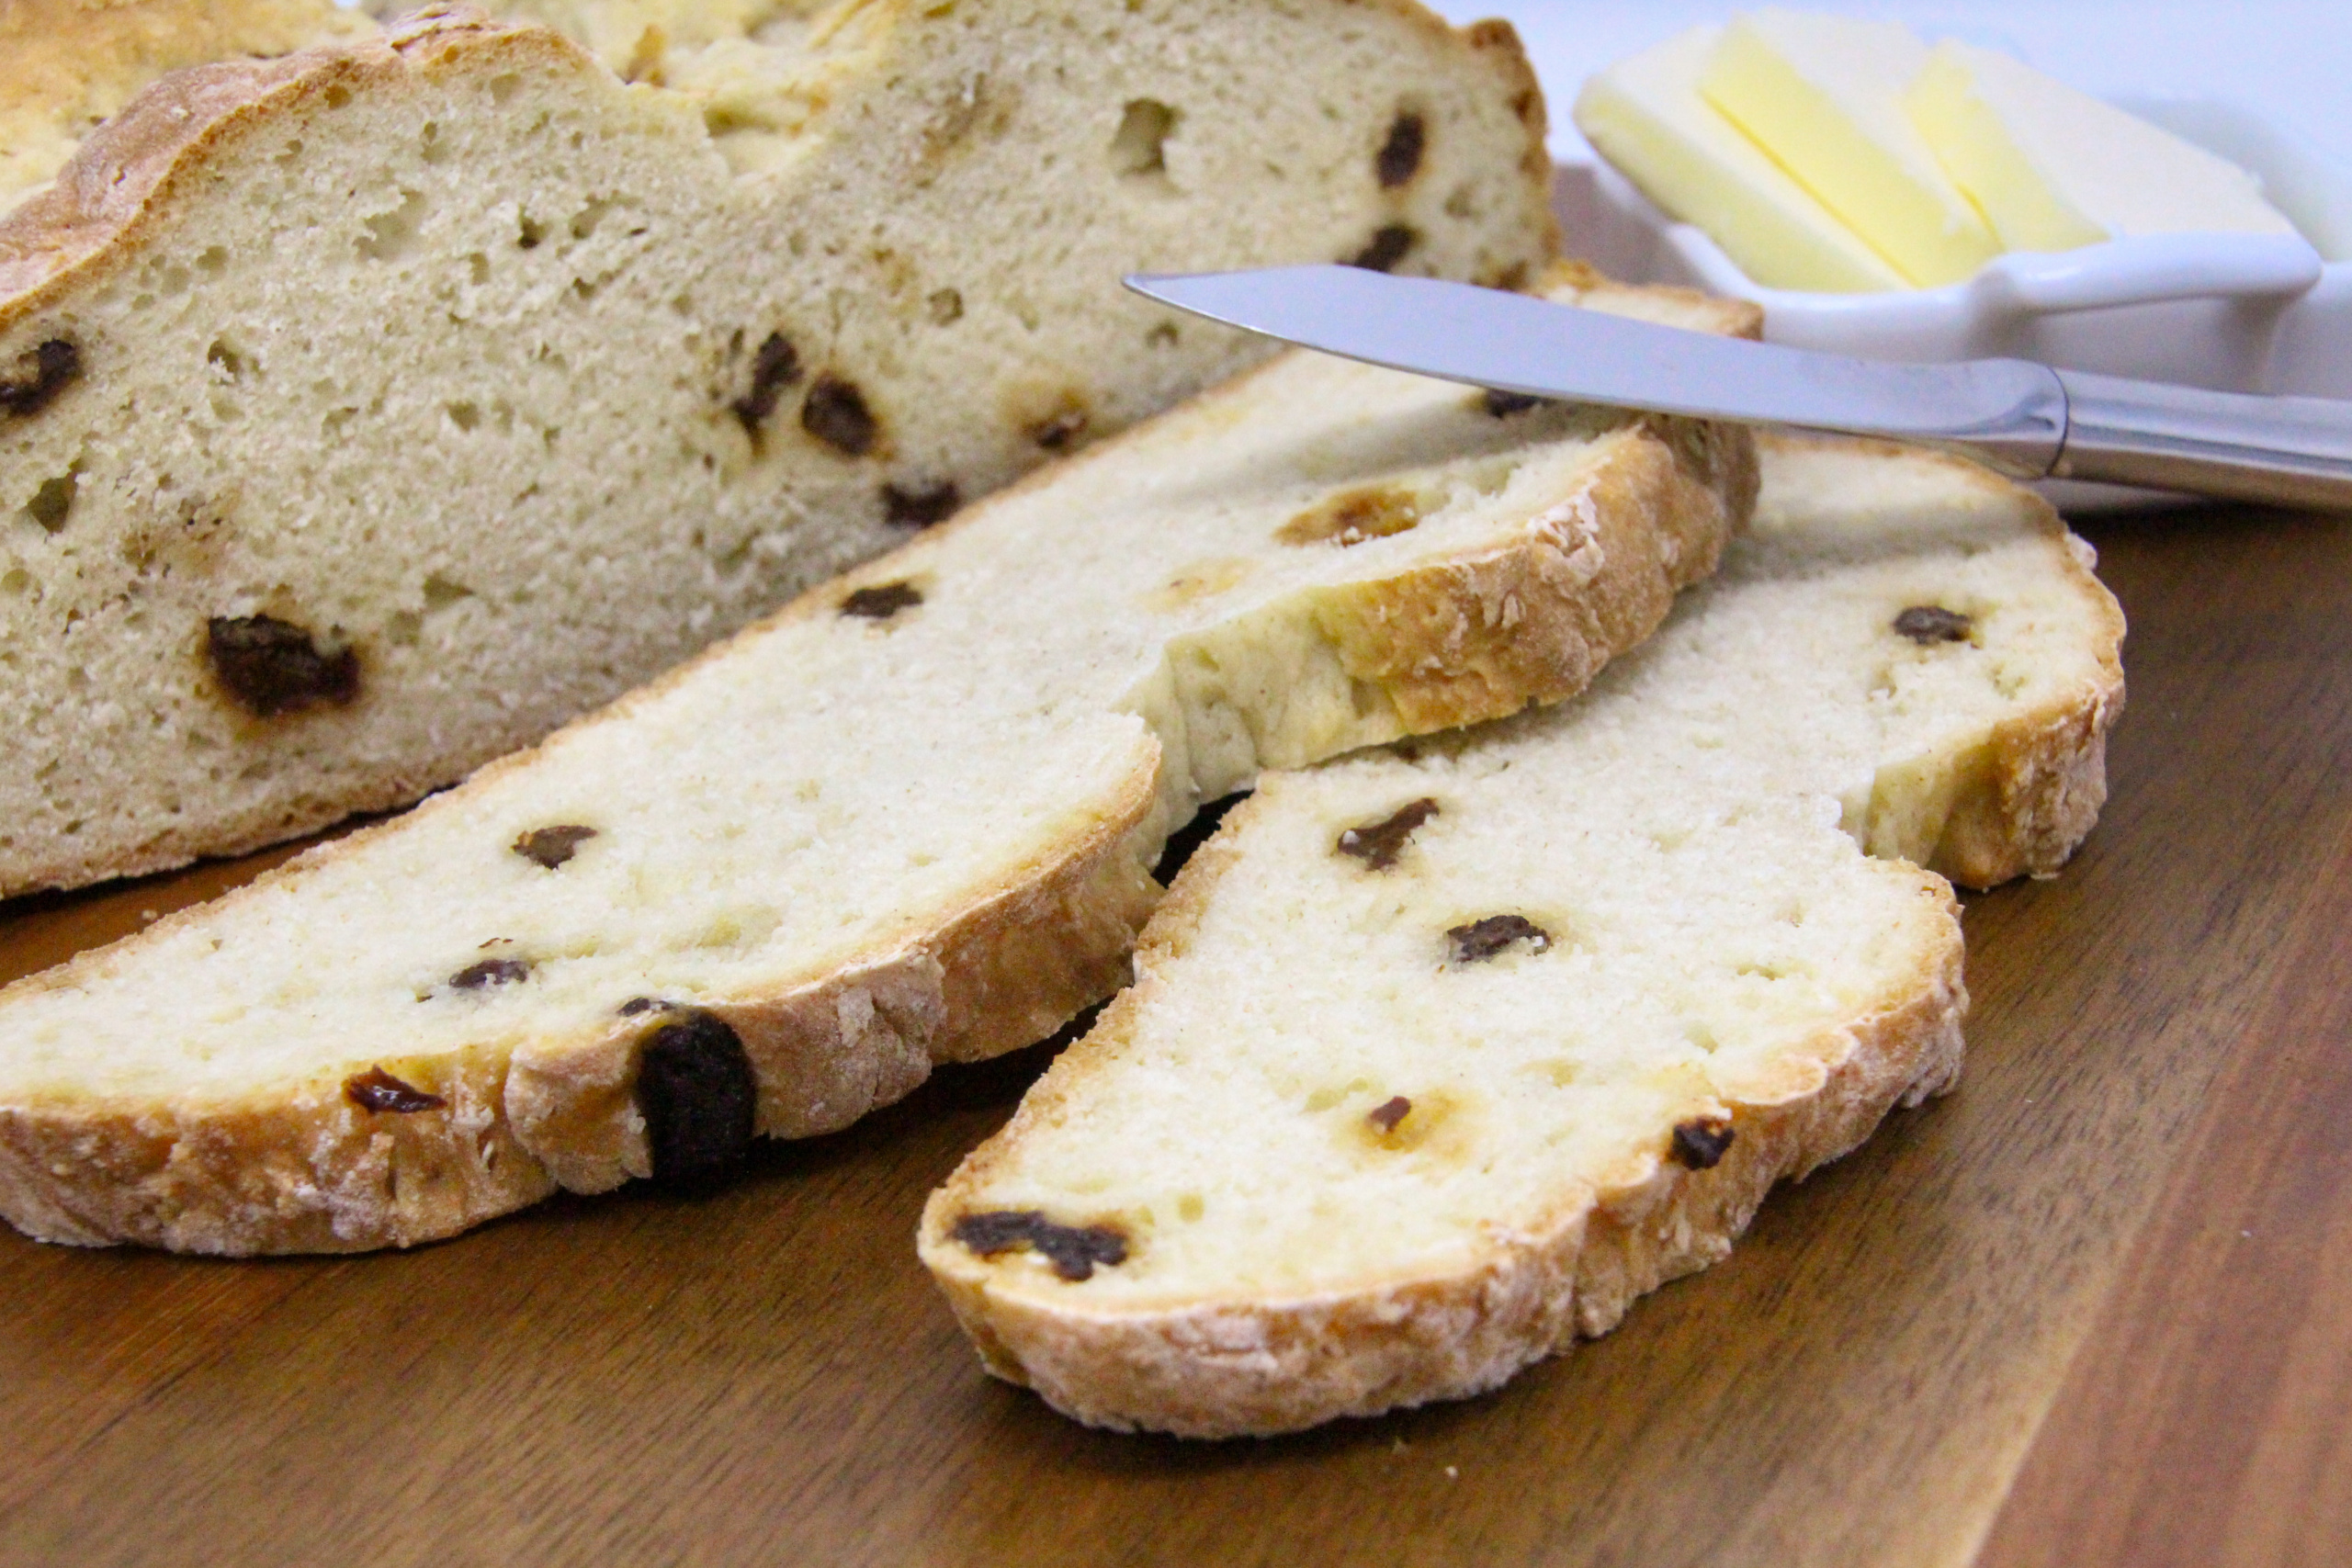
[365,412]
[1438,1058]
[907,819]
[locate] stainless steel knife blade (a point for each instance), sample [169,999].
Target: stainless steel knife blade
[2025,419]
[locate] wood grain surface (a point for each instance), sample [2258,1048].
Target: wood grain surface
[2094,1307]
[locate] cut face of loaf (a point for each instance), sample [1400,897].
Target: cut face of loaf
[366,413]
[909,819]
[1438,1057]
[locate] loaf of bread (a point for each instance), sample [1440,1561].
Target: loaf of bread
[1439,1056]
[909,819]
[367,411]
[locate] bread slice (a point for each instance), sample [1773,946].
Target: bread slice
[1441,1056]
[909,819]
[366,413]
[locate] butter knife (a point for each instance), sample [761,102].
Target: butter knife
[2025,420]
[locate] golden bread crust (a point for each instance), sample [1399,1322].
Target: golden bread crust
[90,222]
[72,65]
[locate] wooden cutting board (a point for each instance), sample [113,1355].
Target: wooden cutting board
[2095,1307]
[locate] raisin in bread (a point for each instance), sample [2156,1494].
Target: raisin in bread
[1436,1059]
[365,412]
[909,819]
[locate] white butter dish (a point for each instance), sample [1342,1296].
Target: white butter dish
[2237,312]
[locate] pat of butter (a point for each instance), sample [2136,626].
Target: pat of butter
[1824,96]
[1646,116]
[2053,168]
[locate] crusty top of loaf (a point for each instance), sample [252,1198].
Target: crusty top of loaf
[82,71]
[73,63]
[128,165]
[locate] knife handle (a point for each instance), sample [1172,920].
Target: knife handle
[2284,451]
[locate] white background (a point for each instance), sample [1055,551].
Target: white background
[2291,59]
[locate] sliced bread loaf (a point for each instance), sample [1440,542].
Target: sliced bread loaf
[1439,1056]
[910,818]
[365,412]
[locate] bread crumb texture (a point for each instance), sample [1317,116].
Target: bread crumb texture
[909,818]
[491,368]
[1439,1055]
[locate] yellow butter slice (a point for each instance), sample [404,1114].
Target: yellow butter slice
[1825,96]
[2053,168]
[1647,116]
